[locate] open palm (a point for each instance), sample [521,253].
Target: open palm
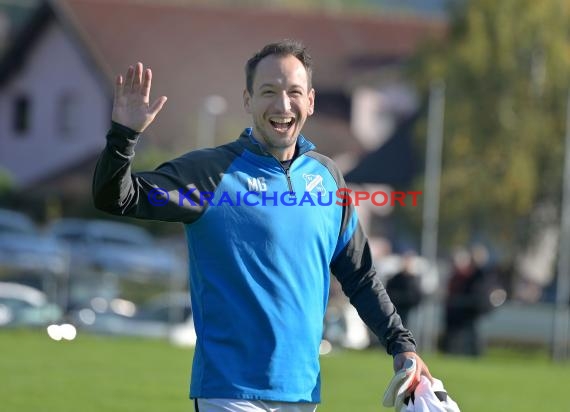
[131,106]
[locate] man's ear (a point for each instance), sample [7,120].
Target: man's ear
[311,102]
[247,101]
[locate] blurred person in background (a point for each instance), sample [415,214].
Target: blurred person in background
[468,299]
[259,276]
[404,288]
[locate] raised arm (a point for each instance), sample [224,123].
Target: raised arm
[118,191]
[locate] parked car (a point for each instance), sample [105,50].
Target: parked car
[22,305]
[33,251]
[12,222]
[519,323]
[169,316]
[24,251]
[344,328]
[120,248]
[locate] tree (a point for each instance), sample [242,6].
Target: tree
[505,64]
[5,181]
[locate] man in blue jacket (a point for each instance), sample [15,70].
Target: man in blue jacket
[263,231]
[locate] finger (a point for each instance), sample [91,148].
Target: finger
[414,383]
[129,82]
[157,105]
[147,80]
[427,373]
[137,79]
[118,87]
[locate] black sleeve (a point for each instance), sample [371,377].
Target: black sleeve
[354,269]
[169,193]
[352,265]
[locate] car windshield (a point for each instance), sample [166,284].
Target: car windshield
[11,293]
[115,233]
[71,236]
[13,222]
[110,233]
[15,304]
[122,240]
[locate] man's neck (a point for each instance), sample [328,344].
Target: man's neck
[283,155]
[280,154]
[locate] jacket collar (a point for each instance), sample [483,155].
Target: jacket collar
[250,143]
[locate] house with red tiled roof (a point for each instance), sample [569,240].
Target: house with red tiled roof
[56,79]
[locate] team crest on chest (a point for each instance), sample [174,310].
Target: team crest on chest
[314,184]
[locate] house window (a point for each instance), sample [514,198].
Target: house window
[67,116]
[22,115]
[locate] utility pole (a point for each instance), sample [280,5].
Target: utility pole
[560,333]
[429,324]
[212,107]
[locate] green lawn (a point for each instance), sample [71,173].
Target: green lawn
[112,374]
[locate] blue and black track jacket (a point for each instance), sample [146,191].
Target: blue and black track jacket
[262,241]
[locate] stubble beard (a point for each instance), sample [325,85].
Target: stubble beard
[274,142]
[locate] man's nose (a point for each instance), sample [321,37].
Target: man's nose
[283,102]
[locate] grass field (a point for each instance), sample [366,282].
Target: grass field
[119,374]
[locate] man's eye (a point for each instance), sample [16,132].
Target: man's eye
[297,93]
[267,93]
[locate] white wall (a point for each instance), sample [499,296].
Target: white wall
[52,68]
[375,112]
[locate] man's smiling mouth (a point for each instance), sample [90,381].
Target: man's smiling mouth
[282,124]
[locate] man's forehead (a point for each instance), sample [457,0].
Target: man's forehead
[280,70]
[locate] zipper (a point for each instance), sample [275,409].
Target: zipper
[292,193]
[289,183]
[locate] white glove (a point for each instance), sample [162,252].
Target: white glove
[427,397]
[396,392]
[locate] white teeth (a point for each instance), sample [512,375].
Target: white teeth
[283,121]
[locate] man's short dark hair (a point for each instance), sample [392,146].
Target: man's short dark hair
[283,48]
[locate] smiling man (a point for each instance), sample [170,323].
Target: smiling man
[259,271]
[279,98]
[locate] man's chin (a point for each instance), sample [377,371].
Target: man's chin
[283,139]
[273,138]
